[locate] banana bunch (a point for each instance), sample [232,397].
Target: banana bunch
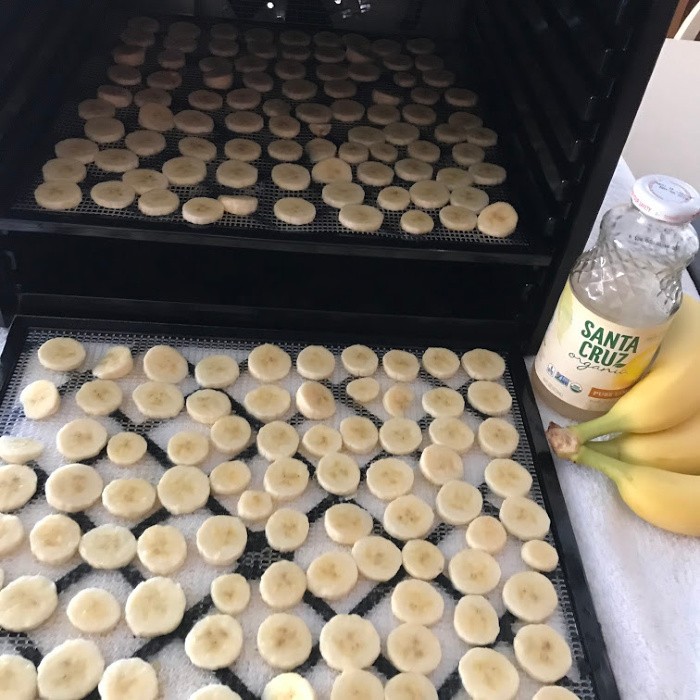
[654,459]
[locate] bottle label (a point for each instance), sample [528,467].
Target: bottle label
[588,361]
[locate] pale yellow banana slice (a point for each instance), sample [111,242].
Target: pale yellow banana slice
[61,354]
[359,360]
[214,642]
[129,676]
[443,402]
[82,150]
[476,621]
[144,142]
[240,204]
[116,363]
[58,195]
[254,505]
[320,440]
[202,211]
[417,602]
[416,222]
[108,547]
[214,691]
[373,173]
[286,529]
[80,439]
[126,448]
[452,433]
[542,653]
[384,152]
[229,478]
[183,489]
[422,559]
[360,217]
[162,549]
[457,218]
[54,539]
[19,450]
[389,478]
[363,390]
[377,558]
[346,523]
[400,365]
[424,150]
[409,686]
[158,203]
[539,555]
[122,160]
[315,401]
[40,399]
[413,170]
[483,364]
[188,448]
[276,440]
[408,518]
[27,602]
[393,198]
[470,198]
[338,473]
[332,575]
[197,147]
[268,402]
[73,488]
[17,486]
[412,647]
[113,194]
[487,173]
[523,518]
[400,436]
[359,434]
[230,593]
[94,611]
[221,540]
[155,607]
[554,692]
[505,477]
[498,219]
[357,153]
[269,363]
[286,478]
[397,399]
[441,465]
[338,194]
[129,498]
[283,585]
[355,683]
[440,362]
[530,596]
[429,194]
[99,397]
[347,110]
[207,406]
[17,677]
[458,502]
[216,372]
[231,434]
[486,673]
[163,363]
[474,572]
[497,438]
[349,642]
[70,670]
[284,640]
[11,533]
[290,176]
[486,533]
[288,686]
[318,149]
[489,398]
[315,362]
[158,400]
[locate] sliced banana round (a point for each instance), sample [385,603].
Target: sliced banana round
[373,173]
[397,399]
[283,585]
[61,354]
[207,406]
[429,194]
[483,364]
[231,434]
[363,390]
[99,397]
[239,205]
[17,677]
[321,440]
[214,642]
[126,448]
[338,194]
[400,365]
[355,683]
[73,488]
[19,450]
[202,210]
[215,691]
[70,670]
[530,596]
[230,593]
[443,402]
[458,502]
[457,218]
[163,363]
[229,478]
[108,547]
[286,478]
[389,478]
[542,653]
[416,222]
[361,217]
[82,150]
[424,150]
[524,518]
[470,198]
[269,363]
[486,673]
[319,149]
[54,539]
[155,607]
[145,142]
[476,621]
[440,362]
[489,398]
[474,572]
[359,434]
[40,399]
[116,363]
[286,529]
[27,602]
[539,555]
[129,498]
[315,401]
[416,601]
[400,436]
[499,219]
[183,489]
[288,686]
[295,211]
[452,433]
[355,154]
[158,203]
[409,686]
[268,402]
[377,558]
[393,198]
[289,176]
[94,611]
[359,360]
[221,539]
[506,477]
[412,647]
[188,448]
[498,438]
[113,194]
[384,152]
[216,372]
[408,518]
[486,533]
[315,362]
[126,676]
[554,692]
[349,642]
[276,440]
[120,160]
[440,465]
[284,640]
[81,438]
[162,549]
[254,506]
[17,486]
[331,576]
[346,523]
[422,560]
[11,533]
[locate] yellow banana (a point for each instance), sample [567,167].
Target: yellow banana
[665,499]
[667,396]
[675,449]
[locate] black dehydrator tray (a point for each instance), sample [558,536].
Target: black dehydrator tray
[590,675]
[262,229]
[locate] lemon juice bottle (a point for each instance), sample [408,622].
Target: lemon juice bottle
[619,300]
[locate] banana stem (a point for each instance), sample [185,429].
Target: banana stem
[609,466]
[563,441]
[611,448]
[603,425]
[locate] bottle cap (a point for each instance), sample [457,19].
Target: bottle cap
[666,198]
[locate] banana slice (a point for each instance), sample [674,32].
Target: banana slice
[359,434]
[498,219]
[346,523]
[229,478]
[331,576]
[292,177]
[377,558]
[196,147]
[476,621]
[61,354]
[207,406]
[188,448]
[523,518]
[126,677]
[440,362]
[276,440]
[389,478]
[497,438]
[359,360]
[554,692]
[158,399]
[413,170]
[113,194]
[483,364]
[17,486]
[70,670]
[54,539]
[108,547]
[11,533]
[360,217]
[442,466]
[373,173]
[240,205]
[116,363]
[486,533]
[458,502]
[269,363]
[315,362]
[425,151]
[82,150]
[452,433]
[94,611]
[428,194]
[321,440]
[17,677]
[126,448]
[318,149]
[221,540]
[338,474]
[408,518]
[384,152]
[283,585]
[443,402]
[355,154]
[542,653]
[422,560]
[539,555]
[202,210]
[505,477]
[73,488]
[129,498]
[254,505]
[393,198]
[412,647]
[294,211]
[286,478]
[315,401]
[363,390]
[487,174]
[214,642]
[162,549]
[530,596]
[214,691]
[19,449]
[216,372]
[486,673]
[349,642]
[58,195]
[400,365]
[416,222]
[80,439]
[400,436]
[286,529]
[99,397]
[338,194]
[27,602]
[409,686]
[470,198]
[155,607]
[268,402]
[457,218]
[417,602]
[163,363]
[231,434]
[284,640]
[398,399]
[230,593]
[40,399]
[474,572]
[158,203]
[120,160]
[183,489]
[288,686]
[357,683]
[347,110]
[489,398]
[145,143]
[242,149]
